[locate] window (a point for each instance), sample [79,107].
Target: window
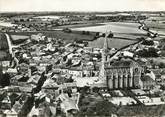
[136,69]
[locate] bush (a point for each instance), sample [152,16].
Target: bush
[105,108]
[67,30]
[97,33]
[151,52]
[110,35]
[146,42]
[85,32]
[161,65]
[103,35]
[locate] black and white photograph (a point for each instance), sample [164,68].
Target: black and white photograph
[82,58]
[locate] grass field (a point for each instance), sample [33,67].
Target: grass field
[124,34]
[16,39]
[19,37]
[112,43]
[116,27]
[6,24]
[79,25]
[74,35]
[156,26]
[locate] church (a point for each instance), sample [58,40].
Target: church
[120,74]
[125,73]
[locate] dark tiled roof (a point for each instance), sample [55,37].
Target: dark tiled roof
[147,78]
[3,55]
[3,42]
[122,63]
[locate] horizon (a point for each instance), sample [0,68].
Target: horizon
[81,6]
[78,11]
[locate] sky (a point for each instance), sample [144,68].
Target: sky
[81,5]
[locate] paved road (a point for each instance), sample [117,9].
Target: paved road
[10,48]
[9,43]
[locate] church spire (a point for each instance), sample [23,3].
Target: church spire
[102,73]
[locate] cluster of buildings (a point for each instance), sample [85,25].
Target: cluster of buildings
[46,76]
[45,70]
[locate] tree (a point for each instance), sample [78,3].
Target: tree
[95,89]
[21,20]
[162,65]
[5,80]
[110,35]
[87,33]
[97,33]
[103,35]
[83,32]
[67,30]
[151,52]
[148,42]
[105,108]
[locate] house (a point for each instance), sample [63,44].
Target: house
[44,108]
[47,109]
[34,79]
[88,49]
[11,113]
[161,80]
[38,37]
[67,105]
[72,86]
[17,106]
[6,103]
[75,72]
[127,54]
[34,112]
[51,87]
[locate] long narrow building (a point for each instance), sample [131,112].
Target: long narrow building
[4,48]
[5,54]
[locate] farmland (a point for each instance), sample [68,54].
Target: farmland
[116,27]
[112,43]
[124,34]
[74,35]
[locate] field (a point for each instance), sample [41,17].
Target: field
[157,24]
[79,25]
[158,27]
[48,17]
[112,43]
[17,37]
[74,35]
[6,24]
[116,27]
[124,34]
